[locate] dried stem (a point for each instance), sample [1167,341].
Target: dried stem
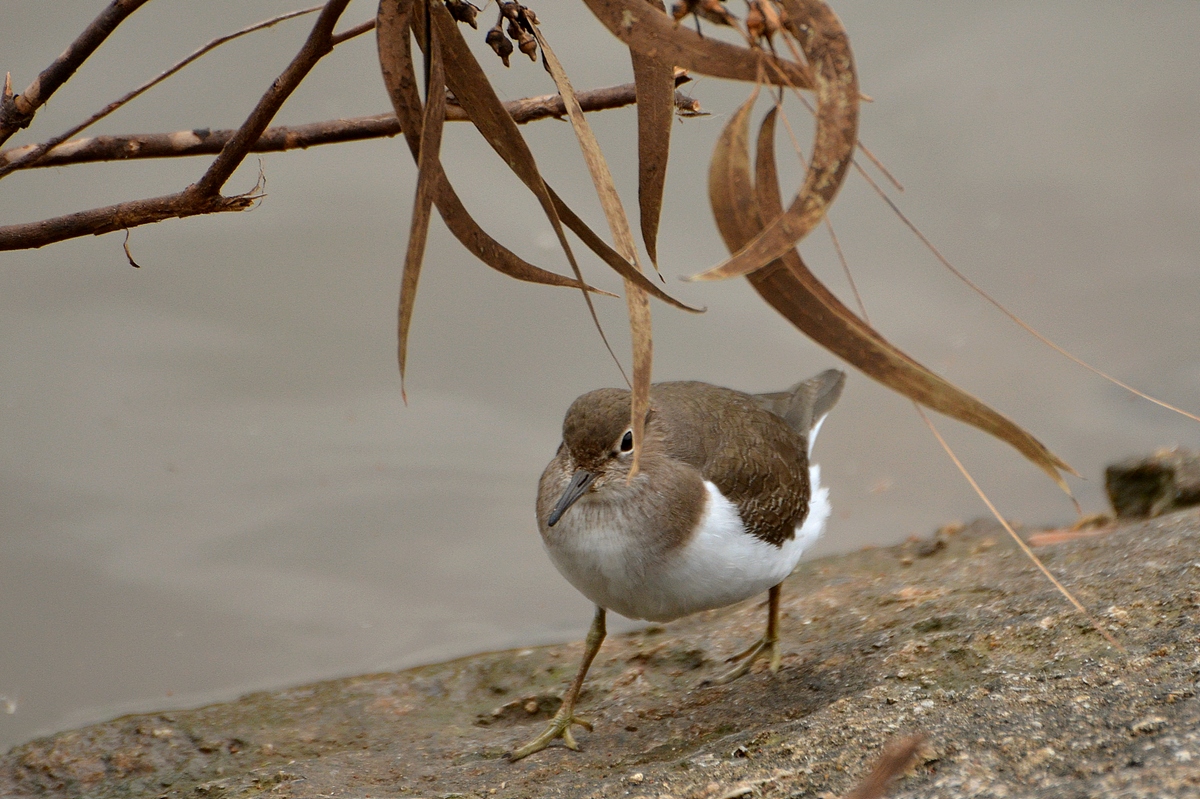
[17,112]
[317,46]
[232,146]
[202,142]
[117,217]
[280,139]
[357,30]
[29,156]
[202,197]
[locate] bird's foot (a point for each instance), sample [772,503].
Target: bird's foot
[747,657]
[559,727]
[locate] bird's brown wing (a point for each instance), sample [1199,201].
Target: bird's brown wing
[749,452]
[771,489]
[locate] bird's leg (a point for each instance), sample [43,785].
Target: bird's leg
[769,642]
[560,725]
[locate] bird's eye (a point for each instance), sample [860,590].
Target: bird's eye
[627,441]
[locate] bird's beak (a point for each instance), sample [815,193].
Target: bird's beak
[574,490]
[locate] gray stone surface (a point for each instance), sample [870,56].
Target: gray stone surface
[958,637]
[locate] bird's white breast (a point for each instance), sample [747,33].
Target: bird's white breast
[720,564]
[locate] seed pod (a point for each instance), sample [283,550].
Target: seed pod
[463,11]
[510,9]
[528,46]
[499,42]
[714,12]
[523,38]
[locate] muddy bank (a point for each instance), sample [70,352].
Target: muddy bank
[956,636]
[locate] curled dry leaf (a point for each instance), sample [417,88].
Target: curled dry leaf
[649,30]
[740,202]
[827,48]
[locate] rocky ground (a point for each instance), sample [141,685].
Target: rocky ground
[956,636]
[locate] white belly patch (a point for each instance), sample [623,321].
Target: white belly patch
[720,565]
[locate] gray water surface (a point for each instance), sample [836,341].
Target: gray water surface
[209,484]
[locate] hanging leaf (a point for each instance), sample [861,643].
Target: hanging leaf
[395,58]
[428,167]
[654,78]
[476,96]
[618,225]
[827,48]
[825,319]
[740,202]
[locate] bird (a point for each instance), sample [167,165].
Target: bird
[723,504]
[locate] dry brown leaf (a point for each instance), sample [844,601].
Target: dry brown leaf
[475,95]
[428,168]
[650,31]
[655,81]
[618,225]
[610,256]
[827,48]
[730,187]
[894,761]
[789,287]
[395,58]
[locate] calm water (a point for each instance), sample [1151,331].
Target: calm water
[208,483]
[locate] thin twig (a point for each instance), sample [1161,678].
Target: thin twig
[201,197]
[318,45]
[32,155]
[1028,328]
[17,112]
[279,139]
[350,33]
[135,213]
[203,142]
[1020,543]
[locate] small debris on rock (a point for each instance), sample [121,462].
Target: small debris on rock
[1148,725]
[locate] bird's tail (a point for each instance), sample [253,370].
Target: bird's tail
[805,405]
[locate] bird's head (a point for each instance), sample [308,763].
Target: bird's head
[597,444]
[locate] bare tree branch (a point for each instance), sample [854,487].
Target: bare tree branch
[121,216]
[17,112]
[357,30]
[232,146]
[202,197]
[31,155]
[334,131]
[317,46]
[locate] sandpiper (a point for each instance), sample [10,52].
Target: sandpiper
[723,505]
